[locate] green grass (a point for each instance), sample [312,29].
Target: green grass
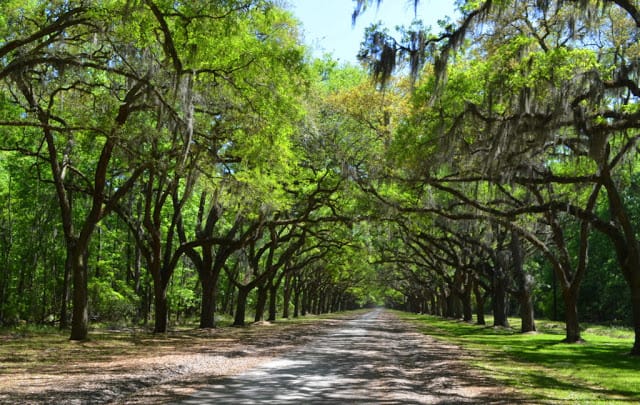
[598,371]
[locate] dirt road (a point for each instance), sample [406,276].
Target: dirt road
[374,359]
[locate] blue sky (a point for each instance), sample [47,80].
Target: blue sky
[327,23]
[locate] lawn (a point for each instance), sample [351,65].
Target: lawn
[598,371]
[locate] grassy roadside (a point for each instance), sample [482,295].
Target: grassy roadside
[598,371]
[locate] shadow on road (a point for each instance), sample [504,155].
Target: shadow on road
[372,359]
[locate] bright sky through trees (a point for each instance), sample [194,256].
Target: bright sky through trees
[327,23]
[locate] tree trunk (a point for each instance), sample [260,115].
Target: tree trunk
[635,307]
[527,313]
[452,305]
[434,305]
[571,317]
[467,308]
[64,299]
[229,297]
[322,302]
[631,271]
[80,318]
[286,297]
[207,309]
[443,303]
[480,300]
[241,306]
[500,299]
[304,302]
[296,301]
[273,301]
[524,285]
[261,303]
[161,309]
[138,288]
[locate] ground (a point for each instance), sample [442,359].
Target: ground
[372,357]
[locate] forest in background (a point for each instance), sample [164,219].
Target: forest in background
[162,162]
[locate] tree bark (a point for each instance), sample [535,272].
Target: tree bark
[241,306]
[273,301]
[443,302]
[261,303]
[467,308]
[161,309]
[296,298]
[571,317]
[80,317]
[627,249]
[480,300]
[500,299]
[286,297]
[527,313]
[64,296]
[524,285]
[207,308]
[634,285]
[304,302]
[433,310]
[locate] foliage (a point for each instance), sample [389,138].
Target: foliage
[161,158]
[599,370]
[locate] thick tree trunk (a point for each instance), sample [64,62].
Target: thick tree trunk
[161,309]
[627,249]
[273,301]
[241,306]
[207,309]
[434,305]
[443,303]
[635,307]
[304,302]
[571,317]
[524,284]
[500,300]
[452,306]
[467,308]
[632,275]
[322,302]
[527,313]
[296,304]
[337,302]
[261,303]
[80,318]
[312,307]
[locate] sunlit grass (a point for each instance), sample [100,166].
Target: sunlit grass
[600,370]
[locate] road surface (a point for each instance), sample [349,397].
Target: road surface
[374,359]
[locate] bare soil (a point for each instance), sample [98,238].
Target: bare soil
[118,367]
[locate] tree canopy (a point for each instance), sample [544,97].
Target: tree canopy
[163,162]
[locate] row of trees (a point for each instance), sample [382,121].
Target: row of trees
[519,154]
[148,141]
[160,157]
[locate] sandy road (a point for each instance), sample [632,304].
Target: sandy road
[374,359]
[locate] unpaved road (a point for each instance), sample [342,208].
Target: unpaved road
[373,359]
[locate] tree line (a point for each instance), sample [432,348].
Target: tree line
[518,160]
[148,141]
[160,158]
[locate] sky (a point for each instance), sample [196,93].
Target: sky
[327,23]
